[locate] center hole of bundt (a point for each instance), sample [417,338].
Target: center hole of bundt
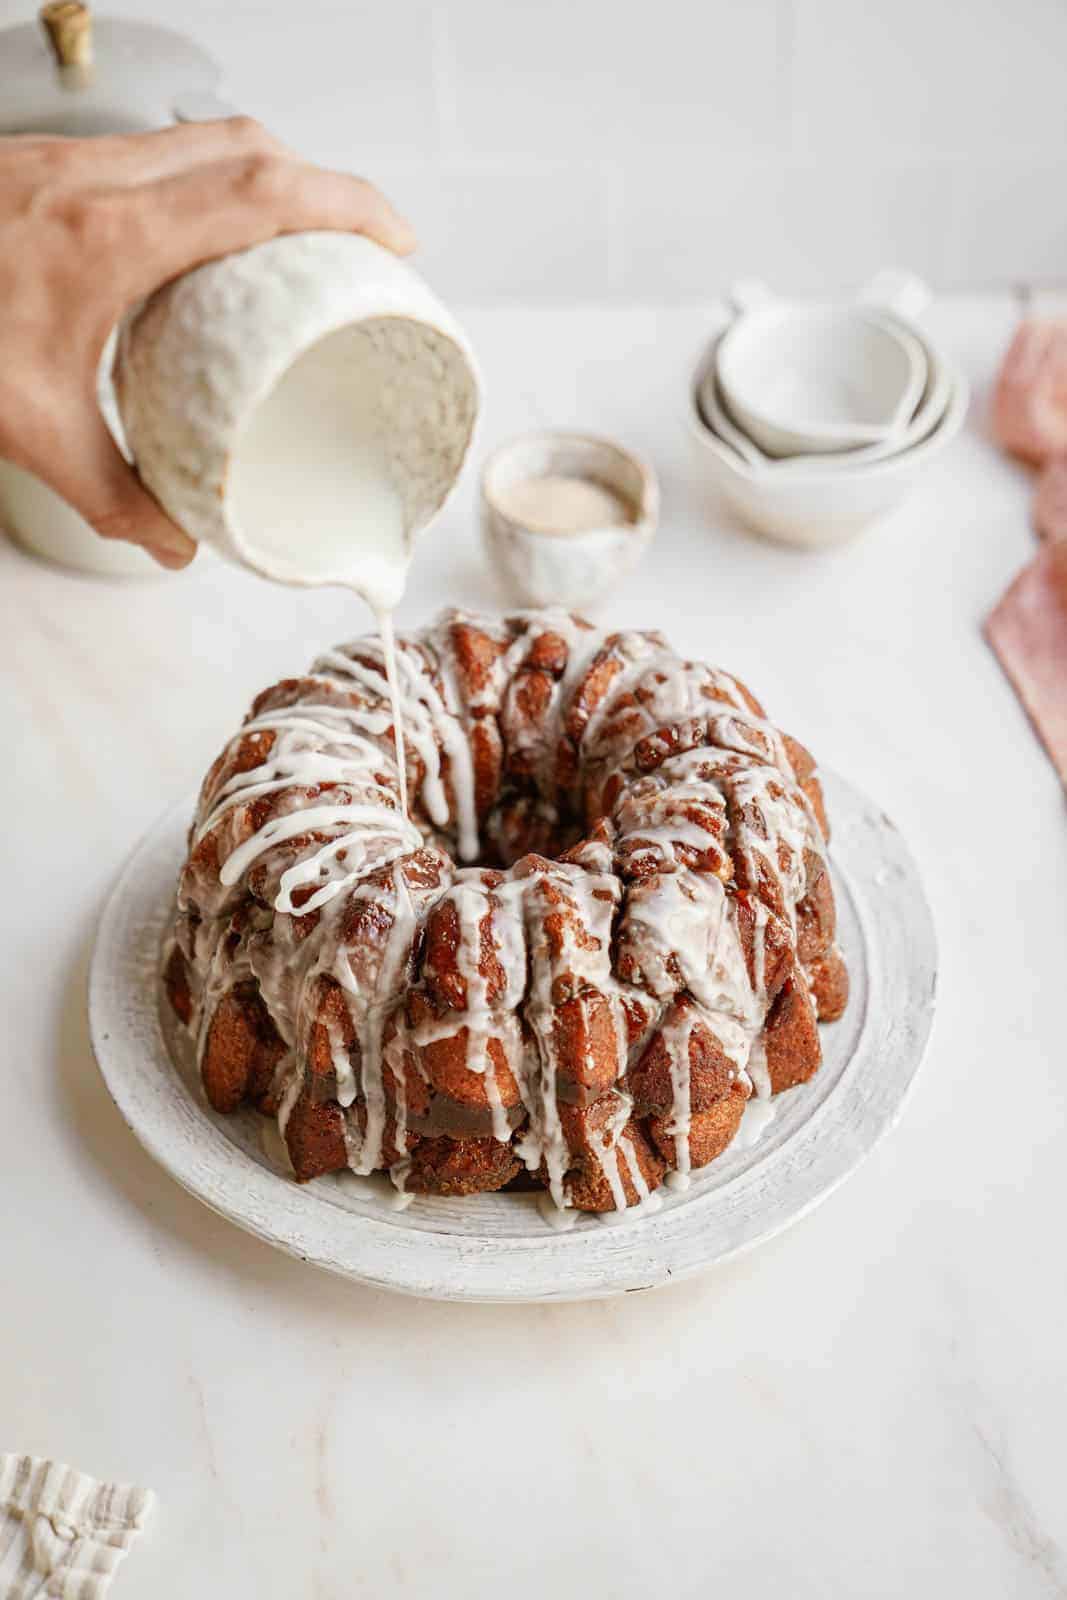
[522,824]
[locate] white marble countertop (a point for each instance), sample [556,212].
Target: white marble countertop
[873,1404]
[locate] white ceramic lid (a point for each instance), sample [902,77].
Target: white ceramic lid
[141,76]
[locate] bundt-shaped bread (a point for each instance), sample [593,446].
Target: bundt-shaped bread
[642,938]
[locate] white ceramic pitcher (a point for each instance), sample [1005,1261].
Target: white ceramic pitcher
[304,406]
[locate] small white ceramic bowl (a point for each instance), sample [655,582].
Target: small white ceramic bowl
[810,380]
[539,565]
[816,508]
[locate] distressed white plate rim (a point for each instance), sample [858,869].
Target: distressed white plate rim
[496,1247]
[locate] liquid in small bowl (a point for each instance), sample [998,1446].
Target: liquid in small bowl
[565,517]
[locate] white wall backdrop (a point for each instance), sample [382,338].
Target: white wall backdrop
[642,149]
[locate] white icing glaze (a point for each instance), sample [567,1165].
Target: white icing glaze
[388,638]
[432,723]
[370,1013]
[676,1032]
[372,823]
[379,1189]
[290,1095]
[561,1219]
[756,1119]
[756,1067]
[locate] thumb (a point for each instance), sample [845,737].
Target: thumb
[93,476]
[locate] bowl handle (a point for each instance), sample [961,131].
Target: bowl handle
[895,290]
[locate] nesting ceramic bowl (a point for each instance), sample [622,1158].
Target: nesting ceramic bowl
[815,507]
[818,495]
[539,565]
[813,380]
[931,408]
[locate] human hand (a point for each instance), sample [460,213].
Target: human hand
[88,227]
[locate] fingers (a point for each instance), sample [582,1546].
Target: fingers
[129,158]
[144,157]
[90,473]
[193,216]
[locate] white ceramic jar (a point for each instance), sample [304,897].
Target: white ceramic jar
[138,77]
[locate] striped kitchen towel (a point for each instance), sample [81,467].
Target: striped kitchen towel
[62,1535]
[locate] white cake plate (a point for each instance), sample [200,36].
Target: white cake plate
[498,1247]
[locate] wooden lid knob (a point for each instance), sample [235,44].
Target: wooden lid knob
[69,26]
